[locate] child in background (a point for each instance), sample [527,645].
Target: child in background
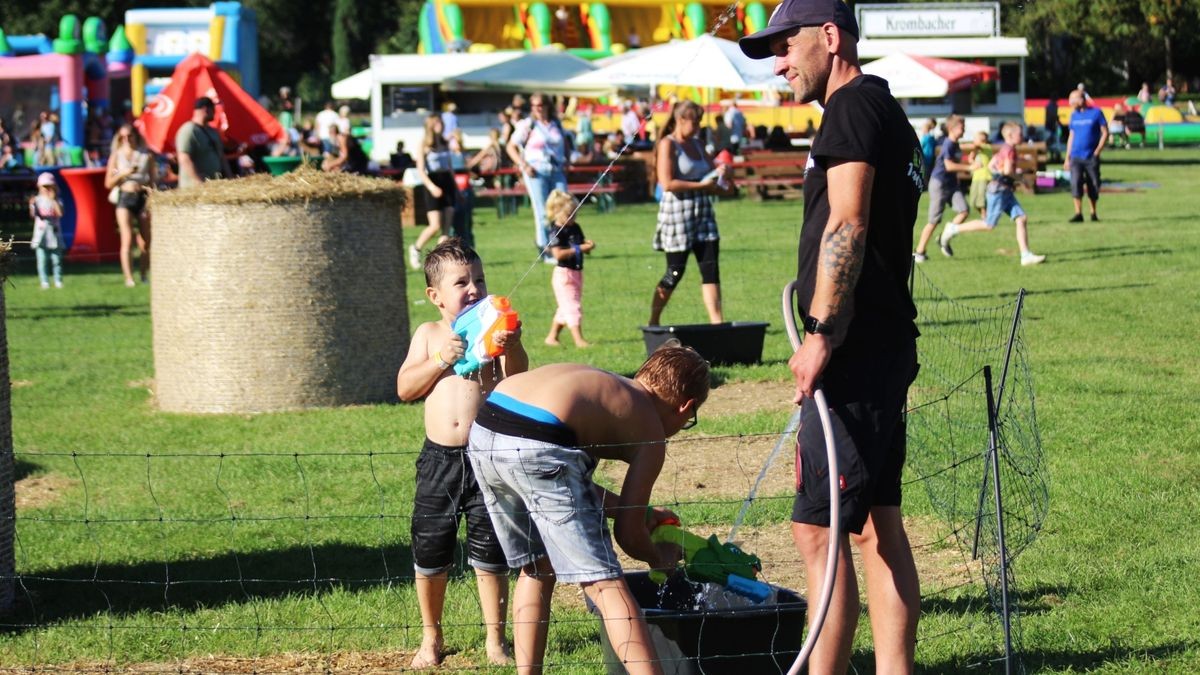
[567,246]
[981,175]
[1000,199]
[446,487]
[47,210]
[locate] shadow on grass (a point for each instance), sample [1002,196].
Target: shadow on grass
[24,469]
[83,591]
[1109,252]
[1053,291]
[1116,158]
[76,312]
[1042,660]
[1029,601]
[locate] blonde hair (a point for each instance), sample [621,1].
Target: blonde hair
[433,139]
[559,207]
[675,375]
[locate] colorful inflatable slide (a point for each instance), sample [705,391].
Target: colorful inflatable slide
[590,30]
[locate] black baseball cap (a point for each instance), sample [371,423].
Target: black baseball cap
[203,102]
[792,14]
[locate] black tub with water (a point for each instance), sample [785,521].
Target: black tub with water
[736,342]
[741,641]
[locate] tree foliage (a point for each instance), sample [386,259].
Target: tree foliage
[1111,45]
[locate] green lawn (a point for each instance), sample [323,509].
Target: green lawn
[155,537]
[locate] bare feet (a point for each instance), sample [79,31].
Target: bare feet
[552,341]
[582,344]
[500,654]
[429,655]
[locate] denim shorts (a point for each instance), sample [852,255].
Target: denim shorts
[1003,202]
[543,503]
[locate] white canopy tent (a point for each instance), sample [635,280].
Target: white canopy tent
[355,86]
[706,61]
[926,77]
[392,77]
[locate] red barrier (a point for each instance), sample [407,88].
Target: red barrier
[96,238]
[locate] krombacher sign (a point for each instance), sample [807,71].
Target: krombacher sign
[968,19]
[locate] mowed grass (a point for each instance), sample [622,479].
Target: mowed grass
[156,537]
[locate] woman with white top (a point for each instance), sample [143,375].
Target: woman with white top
[435,164]
[538,147]
[686,222]
[133,172]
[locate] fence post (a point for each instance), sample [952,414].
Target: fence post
[8,508]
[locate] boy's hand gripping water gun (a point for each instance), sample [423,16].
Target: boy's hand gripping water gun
[478,326]
[710,560]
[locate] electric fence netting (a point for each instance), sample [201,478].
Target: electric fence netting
[276,556]
[975,453]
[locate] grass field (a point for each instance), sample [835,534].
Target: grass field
[153,538]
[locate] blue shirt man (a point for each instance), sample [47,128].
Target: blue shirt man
[1089,135]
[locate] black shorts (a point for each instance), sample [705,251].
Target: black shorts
[444,180]
[867,396]
[446,491]
[134,201]
[1085,173]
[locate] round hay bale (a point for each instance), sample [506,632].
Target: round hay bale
[278,293]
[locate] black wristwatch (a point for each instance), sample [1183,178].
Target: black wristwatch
[815,327]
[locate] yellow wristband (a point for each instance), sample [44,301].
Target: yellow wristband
[442,365]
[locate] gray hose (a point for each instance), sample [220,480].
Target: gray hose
[834,545]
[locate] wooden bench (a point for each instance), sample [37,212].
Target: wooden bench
[772,175]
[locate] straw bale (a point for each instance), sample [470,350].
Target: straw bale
[8,509]
[278,293]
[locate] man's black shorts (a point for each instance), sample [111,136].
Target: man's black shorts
[1085,173]
[867,395]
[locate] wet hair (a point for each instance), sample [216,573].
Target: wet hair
[684,108]
[453,251]
[676,374]
[559,206]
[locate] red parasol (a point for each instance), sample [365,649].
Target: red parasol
[239,117]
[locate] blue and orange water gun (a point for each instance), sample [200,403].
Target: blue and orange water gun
[710,560]
[478,326]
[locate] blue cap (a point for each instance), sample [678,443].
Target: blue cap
[793,14]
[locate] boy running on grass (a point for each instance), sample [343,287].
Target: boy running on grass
[1000,199]
[446,487]
[534,447]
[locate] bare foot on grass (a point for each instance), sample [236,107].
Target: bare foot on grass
[428,656]
[553,342]
[582,344]
[500,654]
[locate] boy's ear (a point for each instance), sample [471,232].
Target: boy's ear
[432,294]
[687,406]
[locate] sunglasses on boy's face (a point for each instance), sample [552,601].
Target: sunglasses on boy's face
[691,422]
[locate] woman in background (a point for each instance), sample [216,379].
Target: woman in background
[133,173]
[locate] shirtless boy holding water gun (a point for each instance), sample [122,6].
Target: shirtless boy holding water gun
[446,488]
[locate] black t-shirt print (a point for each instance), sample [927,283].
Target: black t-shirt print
[567,237]
[862,122]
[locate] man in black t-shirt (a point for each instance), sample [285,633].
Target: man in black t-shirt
[862,184]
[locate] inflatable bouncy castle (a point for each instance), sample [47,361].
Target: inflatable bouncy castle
[590,30]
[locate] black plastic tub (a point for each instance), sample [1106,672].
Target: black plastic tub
[741,641]
[736,342]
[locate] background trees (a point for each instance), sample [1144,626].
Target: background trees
[1111,45]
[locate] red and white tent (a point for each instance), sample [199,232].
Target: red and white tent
[239,117]
[927,77]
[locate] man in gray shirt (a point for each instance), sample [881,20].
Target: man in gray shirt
[201,154]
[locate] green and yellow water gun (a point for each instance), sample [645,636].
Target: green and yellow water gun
[710,560]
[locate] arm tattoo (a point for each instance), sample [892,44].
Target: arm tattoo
[841,259]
